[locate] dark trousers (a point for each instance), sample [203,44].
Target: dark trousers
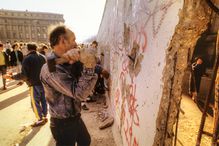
[69,131]
[195,82]
[3,70]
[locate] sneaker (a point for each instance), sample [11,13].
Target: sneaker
[45,119]
[38,123]
[84,107]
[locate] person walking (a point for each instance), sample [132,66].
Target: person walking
[30,73]
[65,88]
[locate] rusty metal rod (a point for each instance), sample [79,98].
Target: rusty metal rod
[177,121]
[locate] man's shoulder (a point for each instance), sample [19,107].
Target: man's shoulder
[29,57]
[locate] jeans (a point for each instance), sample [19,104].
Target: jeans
[69,131]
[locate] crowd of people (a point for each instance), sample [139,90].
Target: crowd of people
[12,55]
[63,86]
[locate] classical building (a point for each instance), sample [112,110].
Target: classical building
[26,26]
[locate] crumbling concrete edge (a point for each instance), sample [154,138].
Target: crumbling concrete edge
[193,21]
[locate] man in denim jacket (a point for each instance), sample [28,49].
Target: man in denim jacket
[65,89]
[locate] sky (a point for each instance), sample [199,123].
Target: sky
[82,16]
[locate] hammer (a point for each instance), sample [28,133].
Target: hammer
[87,57]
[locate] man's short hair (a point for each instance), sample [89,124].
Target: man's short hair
[95,42]
[31,47]
[55,34]
[1,45]
[14,45]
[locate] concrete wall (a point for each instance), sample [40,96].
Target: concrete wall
[134,36]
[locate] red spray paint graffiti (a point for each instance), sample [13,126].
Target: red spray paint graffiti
[140,37]
[125,94]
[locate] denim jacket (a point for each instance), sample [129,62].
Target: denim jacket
[63,93]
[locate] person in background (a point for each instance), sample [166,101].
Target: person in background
[4,60]
[24,49]
[100,85]
[16,59]
[16,56]
[44,50]
[8,46]
[65,89]
[93,49]
[30,73]
[198,70]
[8,50]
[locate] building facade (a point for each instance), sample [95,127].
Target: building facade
[26,26]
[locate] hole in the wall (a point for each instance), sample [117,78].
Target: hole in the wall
[205,48]
[194,19]
[135,59]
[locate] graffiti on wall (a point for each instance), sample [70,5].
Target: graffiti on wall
[129,47]
[152,11]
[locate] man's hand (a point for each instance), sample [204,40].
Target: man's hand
[7,77]
[88,59]
[71,56]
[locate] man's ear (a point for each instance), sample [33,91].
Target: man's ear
[61,40]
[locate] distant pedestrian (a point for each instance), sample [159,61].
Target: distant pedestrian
[24,49]
[4,60]
[8,46]
[16,57]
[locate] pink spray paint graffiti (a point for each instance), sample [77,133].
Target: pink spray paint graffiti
[117,95]
[126,93]
[133,117]
[140,37]
[133,106]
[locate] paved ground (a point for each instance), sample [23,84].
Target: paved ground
[16,116]
[189,124]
